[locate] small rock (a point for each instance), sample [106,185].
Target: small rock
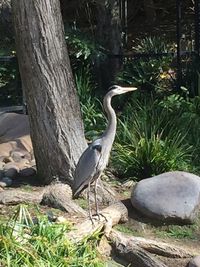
[104,247]
[2,158]
[61,219]
[27,172]
[10,165]
[7,160]
[5,181]
[23,163]
[33,163]
[1,174]
[195,262]
[11,170]
[17,156]
[2,164]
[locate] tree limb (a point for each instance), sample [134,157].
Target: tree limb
[109,217]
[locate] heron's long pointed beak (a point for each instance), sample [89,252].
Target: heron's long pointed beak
[129,89]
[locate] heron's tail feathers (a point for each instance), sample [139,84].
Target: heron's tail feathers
[77,191]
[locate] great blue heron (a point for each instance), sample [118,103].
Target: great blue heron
[95,158]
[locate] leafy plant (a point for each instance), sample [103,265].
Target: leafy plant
[152,45]
[24,242]
[178,232]
[189,118]
[149,142]
[10,88]
[93,117]
[83,50]
[149,72]
[125,229]
[85,85]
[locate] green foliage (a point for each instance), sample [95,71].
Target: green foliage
[9,84]
[178,232]
[149,142]
[83,49]
[84,84]
[189,118]
[8,72]
[149,73]
[93,117]
[152,45]
[24,242]
[125,229]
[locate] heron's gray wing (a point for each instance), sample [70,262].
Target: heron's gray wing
[87,167]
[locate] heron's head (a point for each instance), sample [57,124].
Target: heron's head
[118,90]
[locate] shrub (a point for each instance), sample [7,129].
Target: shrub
[152,45]
[83,49]
[93,117]
[149,72]
[149,142]
[10,84]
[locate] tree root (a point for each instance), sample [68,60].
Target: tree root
[137,251]
[55,195]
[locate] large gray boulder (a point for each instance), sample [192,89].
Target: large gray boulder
[195,262]
[172,196]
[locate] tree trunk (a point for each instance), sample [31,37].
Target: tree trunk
[6,27]
[150,11]
[109,35]
[53,106]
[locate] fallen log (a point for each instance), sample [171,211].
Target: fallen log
[59,196]
[132,253]
[138,250]
[109,217]
[17,196]
[55,195]
[152,246]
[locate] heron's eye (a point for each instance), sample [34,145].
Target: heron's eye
[114,87]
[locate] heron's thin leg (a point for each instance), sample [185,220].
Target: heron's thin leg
[89,206]
[95,196]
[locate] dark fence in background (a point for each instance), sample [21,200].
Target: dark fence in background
[185,59]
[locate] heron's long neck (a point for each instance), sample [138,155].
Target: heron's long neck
[112,120]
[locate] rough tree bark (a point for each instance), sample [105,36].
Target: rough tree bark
[53,106]
[109,35]
[150,11]
[6,27]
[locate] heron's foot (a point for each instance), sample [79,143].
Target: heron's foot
[91,219]
[99,214]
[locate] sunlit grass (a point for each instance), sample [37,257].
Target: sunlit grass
[38,242]
[178,232]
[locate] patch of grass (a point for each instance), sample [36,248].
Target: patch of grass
[27,188]
[178,232]
[126,193]
[125,229]
[40,243]
[82,203]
